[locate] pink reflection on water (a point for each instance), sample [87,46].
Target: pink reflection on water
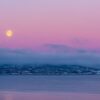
[48,96]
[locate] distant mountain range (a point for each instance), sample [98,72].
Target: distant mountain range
[47,69]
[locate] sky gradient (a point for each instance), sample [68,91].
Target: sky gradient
[51,25]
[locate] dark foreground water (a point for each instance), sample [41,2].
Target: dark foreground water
[50,87]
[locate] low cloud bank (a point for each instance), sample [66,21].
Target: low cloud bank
[25,56]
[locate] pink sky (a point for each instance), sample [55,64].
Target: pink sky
[74,23]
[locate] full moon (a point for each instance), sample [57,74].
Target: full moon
[9,33]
